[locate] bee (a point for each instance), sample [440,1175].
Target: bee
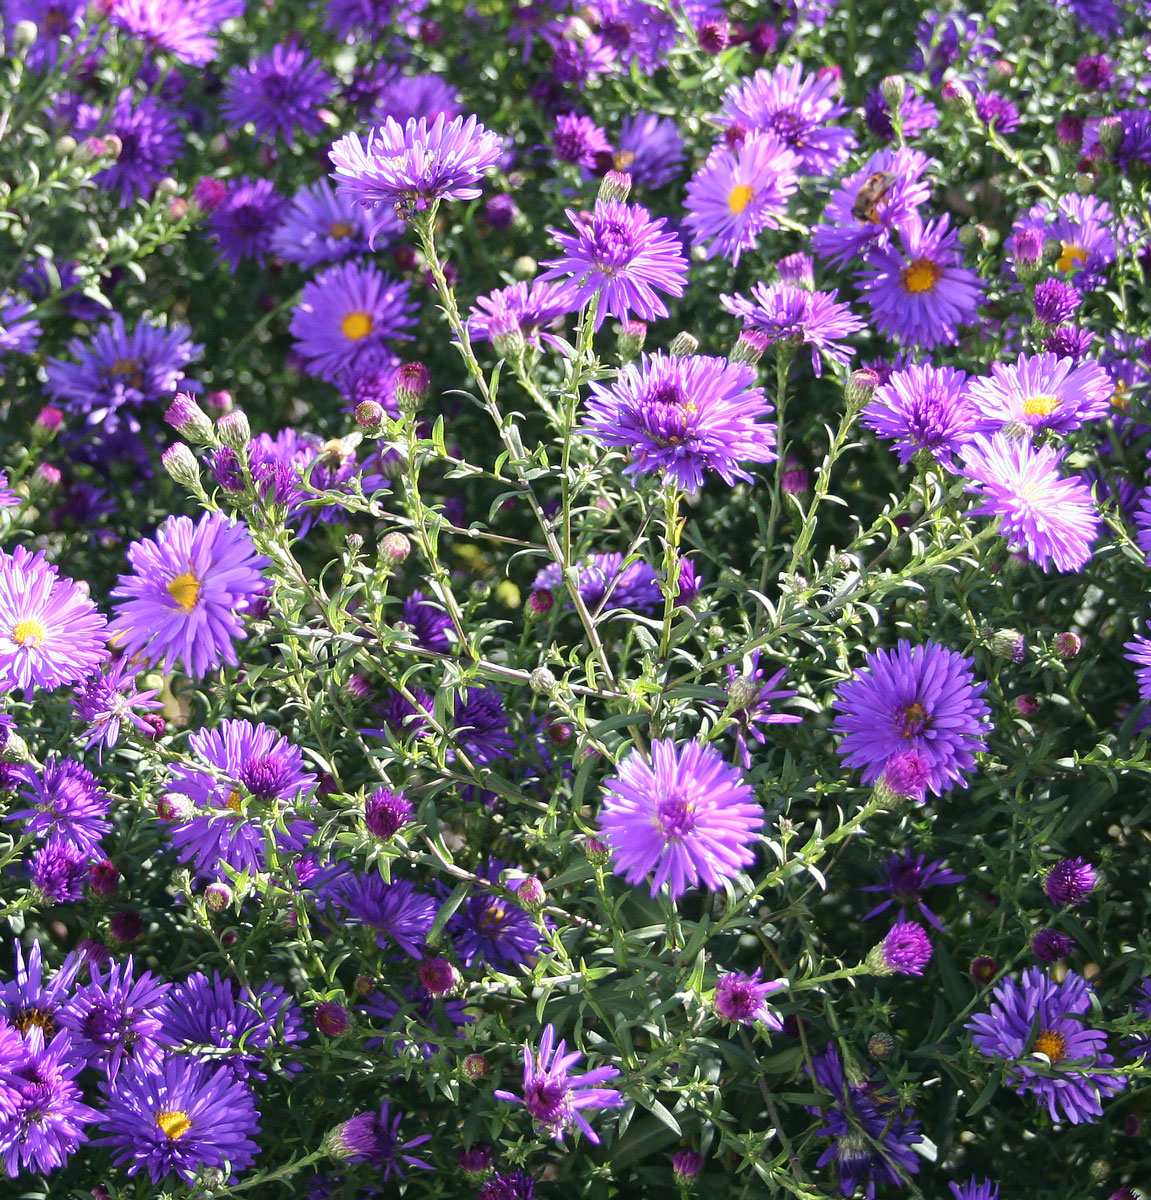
[875,187]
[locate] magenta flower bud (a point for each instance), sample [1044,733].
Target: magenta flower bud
[412,385]
[794,480]
[364,985]
[714,36]
[861,385]
[219,403]
[386,812]
[1069,131]
[175,806]
[539,603]
[125,926]
[615,185]
[983,969]
[1068,645]
[906,775]
[476,1161]
[217,896]
[598,853]
[1026,705]
[210,193]
[1070,882]
[531,894]
[439,976]
[630,341]
[45,479]
[331,1018]
[94,953]
[395,548]
[475,1066]
[48,420]
[103,877]
[369,414]
[177,208]
[1050,945]
[686,1166]
[749,347]
[156,724]
[500,211]
[358,688]
[189,420]
[905,951]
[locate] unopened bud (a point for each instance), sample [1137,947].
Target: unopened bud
[177,208]
[15,749]
[45,480]
[175,806]
[1111,134]
[598,853]
[683,345]
[1000,72]
[957,97]
[475,1066]
[369,415]
[542,681]
[181,465]
[189,420]
[217,896]
[331,1018]
[749,347]
[983,969]
[412,384]
[531,894]
[1009,644]
[881,1046]
[539,603]
[524,267]
[615,185]
[395,548]
[632,336]
[66,146]
[219,402]
[24,34]
[686,1166]
[234,431]
[167,187]
[743,692]
[894,89]
[1068,645]
[861,385]
[439,977]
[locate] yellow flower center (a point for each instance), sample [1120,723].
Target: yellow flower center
[28,633]
[185,590]
[341,229]
[122,368]
[1120,399]
[921,276]
[741,196]
[233,801]
[622,159]
[1053,1044]
[1072,258]
[174,1124]
[1042,405]
[356,325]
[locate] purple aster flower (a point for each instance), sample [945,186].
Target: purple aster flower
[115,369]
[1136,144]
[1103,17]
[975,1189]
[742,999]
[751,699]
[50,631]
[184,28]
[280,465]
[680,417]
[387,812]
[1140,1045]
[480,725]
[920,698]
[1050,945]
[739,193]
[1083,227]
[179,1120]
[924,408]
[1069,342]
[279,93]
[107,700]
[870,203]
[28,1001]
[231,1025]
[554,1098]
[58,872]
[650,149]
[515,1185]
[624,255]
[919,291]
[320,227]
[1037,1026]
[375,1138]
[533,309]
[915,114]
[396,911]
[1070,882]
[490,927]
[871,1139]
[19,331]
[407,97]
[115,1021]
[1139,652]
[436,1019]
[1055,301]
[66,803]
[904,880]
[1042,392]
[576,62]
[906,950]
[41,1114]
[687,816]
[253,776]
[428,622]
[54,20]
[794,315]
[578,139]
[797,108]
[945,38]
[372,17]
[638,32]
[416,163]
[150,142]
[347,320]
[245,223]
[190,586]
[1051,519]
[606,585]
[993,108]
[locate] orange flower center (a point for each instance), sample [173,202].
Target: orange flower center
[356,325]
[741,196]
[1120,399]
[1072,258]
[341,229]
[174,1124]
[921,276]
[28,633]
[1042,405]
[1053,1044]
[185,590]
